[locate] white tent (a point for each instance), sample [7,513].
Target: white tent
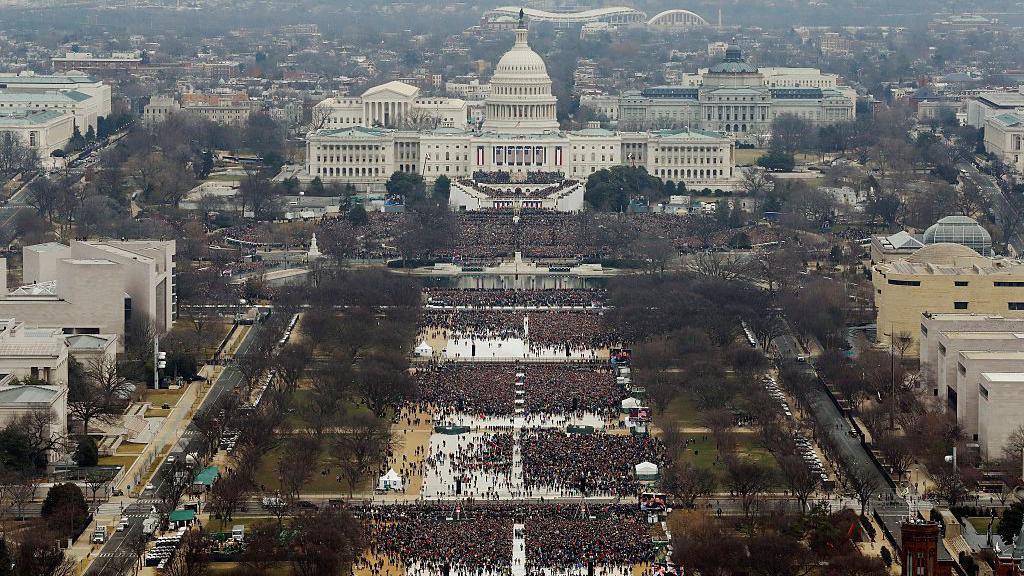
[390,481]
[646,470]
[424,349]
[630,403]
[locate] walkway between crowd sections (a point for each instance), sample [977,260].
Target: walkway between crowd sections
[518,550]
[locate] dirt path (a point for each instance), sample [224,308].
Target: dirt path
[411,432]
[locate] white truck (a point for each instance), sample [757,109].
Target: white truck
[99,535]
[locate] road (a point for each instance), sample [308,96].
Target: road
[14,206]
[847,446]
[139,508]
[999,201]
[18,201]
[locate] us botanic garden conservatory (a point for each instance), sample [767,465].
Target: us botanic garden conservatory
[516,158]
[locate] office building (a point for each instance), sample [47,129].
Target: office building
[94,287]
[732,96]
[36,354]
[1004,138]
[987,104]
[944,278]
[42,130]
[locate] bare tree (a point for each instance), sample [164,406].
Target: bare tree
[687,483]
[365,445]
[800,479]
[897,452]
[42,432]
[950,486]
[100,395]
[755,182]
[748,479]
[865,483]
[297,465]
[721,265]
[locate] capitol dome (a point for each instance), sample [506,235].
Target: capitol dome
[960,230]
[520,101]
[521,61]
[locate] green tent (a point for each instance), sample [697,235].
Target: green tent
[181,516]
[207,477]
[451,430]
[580,429]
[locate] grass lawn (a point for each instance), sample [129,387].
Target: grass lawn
[704,452]
[157,413]
[748,156]
[266,474]
[159,397]
[214,525]
[127,449]
[980,524]
[296,419]
[122,461]
[682,412]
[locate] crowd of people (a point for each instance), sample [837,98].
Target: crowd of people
[477,323]
[571,389]
[489,235]
[563,329]
[430,537]
[572,330]
[490,297]
[594,464]
[489,389]
[467,389]
[490,454]
[616,537]
[478,537]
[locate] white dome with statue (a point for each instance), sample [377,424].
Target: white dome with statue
[520,100]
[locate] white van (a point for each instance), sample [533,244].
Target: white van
[238,532]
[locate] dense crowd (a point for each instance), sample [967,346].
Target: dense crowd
[460,389]
[594,464]
[477,323]
[569,389]
[574,330]
[478,538]
[489,453]
[544,234]
[430,538]
[613,539]
[483,297]
[489,389]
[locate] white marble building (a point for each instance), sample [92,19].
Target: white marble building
[1004,137]
[519,137]
[392,105]
[732,96]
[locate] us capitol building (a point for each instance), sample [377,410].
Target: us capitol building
[517,158]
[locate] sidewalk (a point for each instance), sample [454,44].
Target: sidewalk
[83,551]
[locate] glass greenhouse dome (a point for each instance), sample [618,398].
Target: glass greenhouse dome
[960,230]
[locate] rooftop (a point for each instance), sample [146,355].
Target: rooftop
[35,347]
[28,394]
[48,288]
[967,335]
[28,117]
[1003,376]
[992,355]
